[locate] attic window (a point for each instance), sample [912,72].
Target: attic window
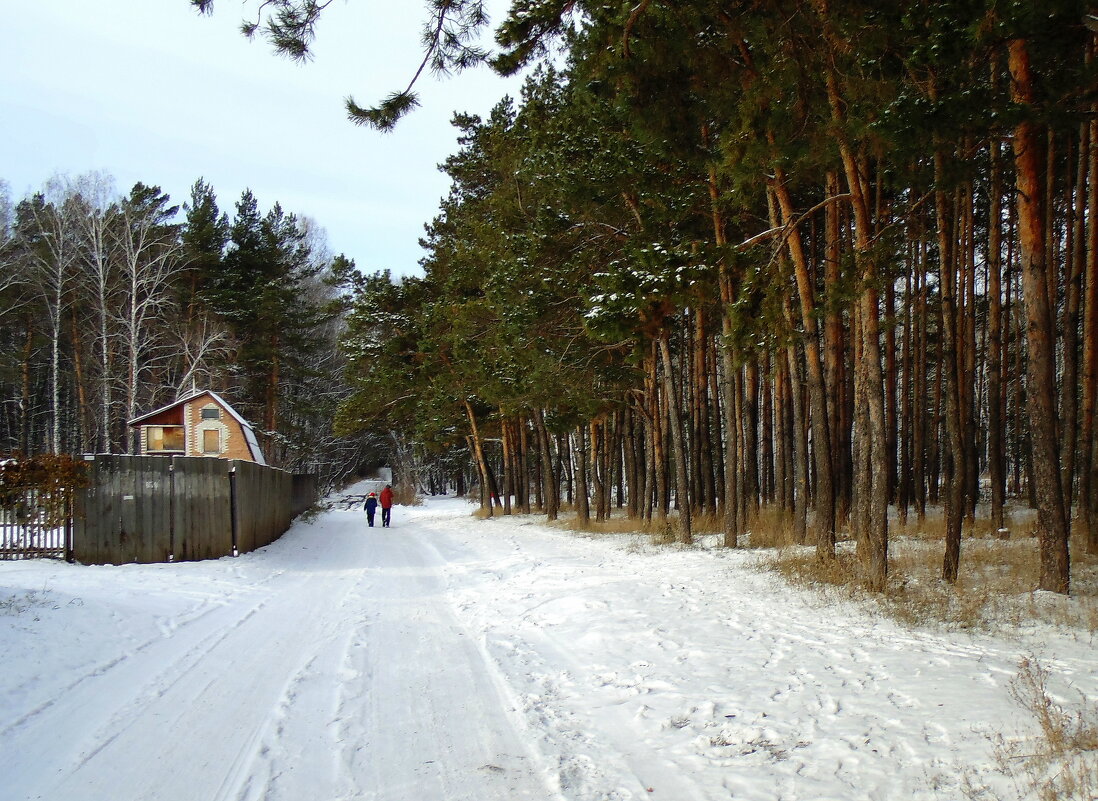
[211,413]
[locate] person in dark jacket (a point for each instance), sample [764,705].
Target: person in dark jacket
[386,505]
[371,508]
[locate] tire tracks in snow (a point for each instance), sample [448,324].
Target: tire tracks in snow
[242,656]
[425,719]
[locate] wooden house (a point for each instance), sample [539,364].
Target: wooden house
[201,424]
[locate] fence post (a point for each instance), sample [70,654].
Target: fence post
[173,554]
[69,504]
[234,508]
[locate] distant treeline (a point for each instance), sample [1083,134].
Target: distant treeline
[112,305]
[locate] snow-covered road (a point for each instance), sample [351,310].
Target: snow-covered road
[453,659]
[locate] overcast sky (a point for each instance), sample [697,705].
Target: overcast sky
[148,90]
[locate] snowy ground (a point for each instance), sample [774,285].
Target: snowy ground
[448,658]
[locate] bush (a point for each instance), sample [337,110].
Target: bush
[38,488]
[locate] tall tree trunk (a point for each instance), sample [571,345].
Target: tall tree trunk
[946,206]
[550,486]
[659,451]
[818,418]
[875,513]
[106,441]
[508,472]
[877,534]
[482,483]
[615,457]
[716,441]
[1041,361]
[1090,342]
[935,416]
[487,491]
[1074,267]
[800,440]
[271,418]
[682,479]
[891,390]
[728,290]
[903,395]
[781,426]
[835,373]
[524,464]
[703,444]
[768,448]
[583,511]
[563,467]
[967,359]
[732,519]
[751,435]
[996,452]
[25,412]
[632,469]
[598,444]
[921,391]
[81,390]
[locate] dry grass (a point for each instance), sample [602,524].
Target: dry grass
[657,531]
[708,524]
[994,588]
[615,525]
[1057,763]
[771,528]
[801,566]
[932,527]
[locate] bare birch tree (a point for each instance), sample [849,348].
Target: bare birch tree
[98,269]
[52,250]
[150,258]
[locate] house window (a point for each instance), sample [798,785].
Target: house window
[164,438]
[211,440]
[211,413]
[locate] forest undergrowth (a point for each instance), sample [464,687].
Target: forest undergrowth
[994,590]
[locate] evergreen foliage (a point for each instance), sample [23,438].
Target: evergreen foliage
[801,204]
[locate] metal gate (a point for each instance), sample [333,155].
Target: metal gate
[35,512]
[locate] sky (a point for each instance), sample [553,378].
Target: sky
[451,658]
[149,90]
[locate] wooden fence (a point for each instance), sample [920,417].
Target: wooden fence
[262,507]
[305,493]
[159,509]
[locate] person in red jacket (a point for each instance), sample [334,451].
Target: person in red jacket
[386,505]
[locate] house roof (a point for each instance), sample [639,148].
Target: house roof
[246,427]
